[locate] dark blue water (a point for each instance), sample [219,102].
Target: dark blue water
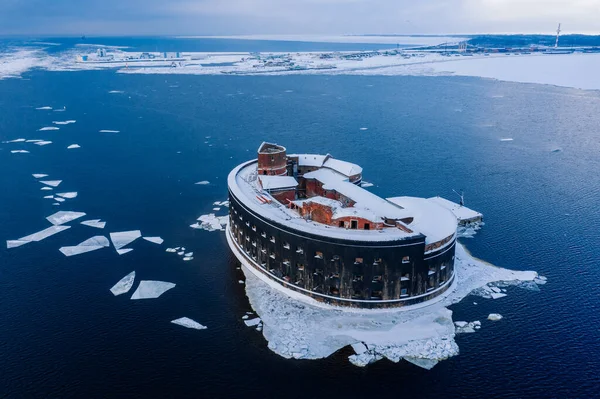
[64,335]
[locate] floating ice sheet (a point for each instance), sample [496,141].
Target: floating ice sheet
[252,322]
[124,285]
[19,152]
[151,289]
[123,238]
[155,240]
[109,131]
[46,188]
[33,141]
[73,146]
[91,244]
[64,122]
[48,197]
[51,183]
[48,128]
[124,251]
[506,139]
[43,142]
[300,327]
[211,222]
[94,223]
[189,323]
[44,108]
[40,235]
[39,175]
[203,182]
[494,316]
[116,92]
[63,217]
[15,141]
[58,199]
[70,194]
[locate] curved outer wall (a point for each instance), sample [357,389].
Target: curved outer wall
[384,278]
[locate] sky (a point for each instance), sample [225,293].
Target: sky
[243,17]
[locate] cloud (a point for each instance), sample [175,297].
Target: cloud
[159,17]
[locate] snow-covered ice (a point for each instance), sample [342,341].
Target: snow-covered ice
[123,238]
[44,108]
[109,131]
[170,250]
[39,175]
[94,223]
[73,146]
[151,289]
[123,251]
[203,182]
[15,141]
[63,217]
[48,128]
[43,142]
[189,323]
[188,258]
[40,235]
[51,183]
[91,244]
[124,285]
[300,327]
[19,152]
[506,139]
[64,122]
[155,240]
[58,199]
[48,197]
[211,222]
[70,194]
[494,316]
[252,322]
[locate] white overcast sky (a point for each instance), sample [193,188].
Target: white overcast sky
[235,17]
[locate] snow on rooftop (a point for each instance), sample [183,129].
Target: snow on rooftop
[310,159]
[124,285]
[148,289]
[91,244]
[189,323]
[422,334]
[277,182]
[63,217]
[40,235]
[343,167]
[429,218]
[123,238]
[461,212]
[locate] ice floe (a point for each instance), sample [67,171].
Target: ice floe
[124,285]
[39,175]
[188,258]
[252,322]
[109,131]
[91,244]
[33,140]
[170,250]
[15,141]
[56,204]
[64,122]
[19,152]
[40,235]
[94,223]
[189,323]
[48,196]
[211,222]
[124,251]
[48,128]
[58,199]
[63,217]
[116,92]
[73,146]
[494,316]
[43,142]
[203,182]
[296,326]
[151,289]
[71,194]
[44,108]
[506,139]
[46,188]
[123,238]
[51,183]
[155,240]
[464,327]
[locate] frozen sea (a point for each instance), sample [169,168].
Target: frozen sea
[65,335]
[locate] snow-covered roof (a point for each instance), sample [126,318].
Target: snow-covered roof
[345,168]
[277,182]
[431,219]
[364,199]
[310,159]
[338,208]
[461,212]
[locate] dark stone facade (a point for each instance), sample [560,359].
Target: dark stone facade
[344,272]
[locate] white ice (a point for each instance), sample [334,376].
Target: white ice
[19,152]
[494,316]
[109,131]
[63,122]
[203,182]
[70,194]
[189,323]
[56,204]
[170,250]
[116,92]
[91,244]
[211,222]
[124,285]
[123,238]
[124,251]
[155,240]
[299,327]
[48,128]
[43,142]
[46,188]
[44,108]
[151,289]
[40,235]
[15,141]
[58,199]
[94,223]
[39,175]
[188,258]
[51,183]
[252,322]
[63,217]
[73,146]
[189,254]
[48,197]
[33,140]
[506,139]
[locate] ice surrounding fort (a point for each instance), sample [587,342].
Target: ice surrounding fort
[296,326]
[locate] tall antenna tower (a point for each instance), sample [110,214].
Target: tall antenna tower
[557,34]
